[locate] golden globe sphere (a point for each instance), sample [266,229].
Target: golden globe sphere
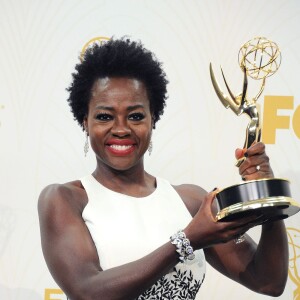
[260,57]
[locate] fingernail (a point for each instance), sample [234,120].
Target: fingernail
[246,154]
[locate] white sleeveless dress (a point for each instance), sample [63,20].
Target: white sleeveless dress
[126,228]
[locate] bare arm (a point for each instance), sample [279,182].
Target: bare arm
[269,265]
[262,268]
[72,258]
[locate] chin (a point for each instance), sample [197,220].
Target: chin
[122,165]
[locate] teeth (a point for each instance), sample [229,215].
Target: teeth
[121,147]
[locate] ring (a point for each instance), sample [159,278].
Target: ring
[239,239]
[257,167]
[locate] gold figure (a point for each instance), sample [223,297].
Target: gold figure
[294,250]
[259,58]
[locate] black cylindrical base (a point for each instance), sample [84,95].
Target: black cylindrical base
[269,198]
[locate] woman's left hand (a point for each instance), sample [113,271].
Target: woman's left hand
[256,164]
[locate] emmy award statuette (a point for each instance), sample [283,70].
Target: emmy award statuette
[270,198]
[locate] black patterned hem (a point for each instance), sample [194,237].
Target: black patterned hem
[181,286]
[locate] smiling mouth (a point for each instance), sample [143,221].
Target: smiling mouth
[121,147]
[121,150]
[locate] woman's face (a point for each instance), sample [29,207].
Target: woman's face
[119,122]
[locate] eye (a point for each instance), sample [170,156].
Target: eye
[104,117]
[136,117]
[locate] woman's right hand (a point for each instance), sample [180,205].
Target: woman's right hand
[204,230]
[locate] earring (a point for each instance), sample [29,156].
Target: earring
[150,147]
[86,144]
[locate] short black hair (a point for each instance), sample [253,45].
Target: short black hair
[117,58]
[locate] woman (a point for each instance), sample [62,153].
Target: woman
[107,236]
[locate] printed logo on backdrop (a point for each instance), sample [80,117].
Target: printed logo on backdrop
[96,40]
[54,294]
[279,114]
[294,261]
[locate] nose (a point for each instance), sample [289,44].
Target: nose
[120,129]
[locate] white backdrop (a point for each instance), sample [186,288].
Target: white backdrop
[193,143]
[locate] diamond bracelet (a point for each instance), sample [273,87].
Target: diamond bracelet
[183,246]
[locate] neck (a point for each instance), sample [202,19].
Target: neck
[134,181]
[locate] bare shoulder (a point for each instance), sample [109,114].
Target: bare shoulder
[66,241]
[192,196]
[57,196]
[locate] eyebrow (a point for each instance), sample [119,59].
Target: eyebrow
[129,108]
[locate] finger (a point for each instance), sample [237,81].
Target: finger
[243,222]
[208,205]
[256,149]
[259,170]
[210,197]
[252,163]
[239,153]
[254,223]
[242,234]
[254,169]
